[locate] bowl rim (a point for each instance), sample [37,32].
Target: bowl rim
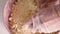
[6,12]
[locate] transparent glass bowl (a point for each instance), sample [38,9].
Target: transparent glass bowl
[8,7]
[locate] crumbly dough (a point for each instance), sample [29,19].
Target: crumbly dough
[22,11]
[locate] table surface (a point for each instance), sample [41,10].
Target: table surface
[2,27]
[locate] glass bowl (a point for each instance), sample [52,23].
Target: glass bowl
[51,26]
